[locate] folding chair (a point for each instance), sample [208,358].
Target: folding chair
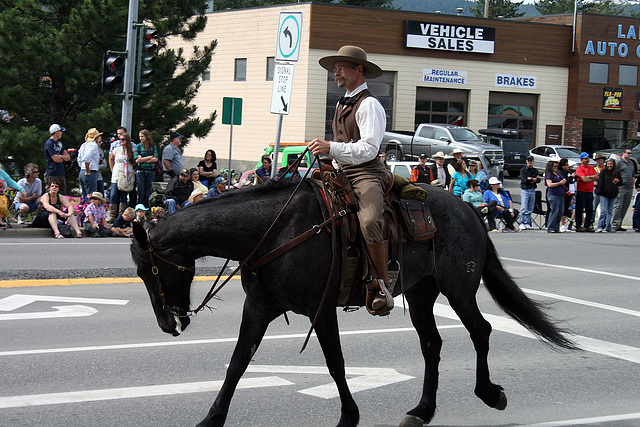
[539,214]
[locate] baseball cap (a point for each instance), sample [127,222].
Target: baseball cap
[175,135]
[55,128]
[584,155]
[185,172]
[423,156]
[529,158]
[494,180]
[220,180]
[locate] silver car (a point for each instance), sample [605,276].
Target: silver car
[543,154]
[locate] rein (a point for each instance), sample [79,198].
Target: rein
[316,229]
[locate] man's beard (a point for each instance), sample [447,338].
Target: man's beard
[341,82]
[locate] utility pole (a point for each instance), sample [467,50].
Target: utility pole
[486,8]
[130,66]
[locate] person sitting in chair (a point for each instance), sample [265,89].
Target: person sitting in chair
[504,206]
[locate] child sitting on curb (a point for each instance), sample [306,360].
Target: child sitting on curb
[95,217]
[122,225]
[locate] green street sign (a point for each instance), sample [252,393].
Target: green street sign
[229,105]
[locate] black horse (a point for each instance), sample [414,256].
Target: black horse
[231,225]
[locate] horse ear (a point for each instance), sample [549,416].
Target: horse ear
[140,234]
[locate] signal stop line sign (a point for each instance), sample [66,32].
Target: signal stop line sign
[281,93]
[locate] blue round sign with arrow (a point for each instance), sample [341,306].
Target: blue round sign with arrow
[289,31]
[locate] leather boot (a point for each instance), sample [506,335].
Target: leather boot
[123,206]
[379,300]
[113,213]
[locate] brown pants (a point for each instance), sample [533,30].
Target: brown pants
[368,181]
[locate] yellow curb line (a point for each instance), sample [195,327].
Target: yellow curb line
[89,281]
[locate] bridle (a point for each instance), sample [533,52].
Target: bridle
[156,274]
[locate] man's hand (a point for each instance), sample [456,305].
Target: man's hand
[319,147]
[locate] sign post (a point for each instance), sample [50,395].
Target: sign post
[287,49]
[231,115]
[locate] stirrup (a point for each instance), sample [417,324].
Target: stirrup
[378,293]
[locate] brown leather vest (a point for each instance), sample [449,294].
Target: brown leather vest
[345,127]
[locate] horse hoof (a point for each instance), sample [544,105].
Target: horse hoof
[412,421]
[502,401]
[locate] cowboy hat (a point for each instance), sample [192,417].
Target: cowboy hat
[438,155]
[457,150]
[354,54]
[195,193]
[97,195]
[92,134]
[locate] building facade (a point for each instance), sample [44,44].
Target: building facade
[481,73]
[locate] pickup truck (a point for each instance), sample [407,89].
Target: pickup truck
[430,138]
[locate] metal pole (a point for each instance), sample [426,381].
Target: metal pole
[233,107]
[575,13]
[276,147]
[130,66]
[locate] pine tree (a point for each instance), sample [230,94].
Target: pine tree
[504,8]
[603,7]
[52,53]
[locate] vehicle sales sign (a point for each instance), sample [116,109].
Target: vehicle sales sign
[458,38]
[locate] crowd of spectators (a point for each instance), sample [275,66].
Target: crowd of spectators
[572,197]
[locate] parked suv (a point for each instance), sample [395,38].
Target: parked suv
[515,149]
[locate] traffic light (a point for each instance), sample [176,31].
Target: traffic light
[146,55]
[113,73]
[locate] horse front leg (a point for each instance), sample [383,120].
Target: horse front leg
[326,329]
[255,320]
[421,299]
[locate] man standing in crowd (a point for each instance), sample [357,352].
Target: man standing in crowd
[55,155]
[599,167]
[89,162]
[628,170]
[586,176]
[172,156]
[439,171]
[529,179]
[358,126]
[421,173]
[178,191]
[27,201]
[116,142]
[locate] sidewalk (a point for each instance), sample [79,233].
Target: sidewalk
[19,230]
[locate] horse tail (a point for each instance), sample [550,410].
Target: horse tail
[513,301]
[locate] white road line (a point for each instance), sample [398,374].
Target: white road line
[505,324]
[583,302]
[133,392]
[593,420]
[198,342]
[566,267]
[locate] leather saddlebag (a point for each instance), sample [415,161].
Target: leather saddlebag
[417,221]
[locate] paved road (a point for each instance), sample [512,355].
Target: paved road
[111,365]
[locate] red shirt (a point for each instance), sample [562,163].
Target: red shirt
[583,170]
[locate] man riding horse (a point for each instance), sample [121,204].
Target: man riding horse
[358,127]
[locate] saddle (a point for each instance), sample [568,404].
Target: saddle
[406,217]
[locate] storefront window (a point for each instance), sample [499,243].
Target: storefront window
[598,73]
[513,111]
[441,106]
[602,134]
[382,87]
[628,75]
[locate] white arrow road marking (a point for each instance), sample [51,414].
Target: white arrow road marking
[366,378]
[133,392]
[16,301]
[505,324]
[61,311]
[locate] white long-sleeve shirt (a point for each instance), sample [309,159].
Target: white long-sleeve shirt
[372,122]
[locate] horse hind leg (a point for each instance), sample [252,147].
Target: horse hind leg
[326,329]
[479,330]
[421,299]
